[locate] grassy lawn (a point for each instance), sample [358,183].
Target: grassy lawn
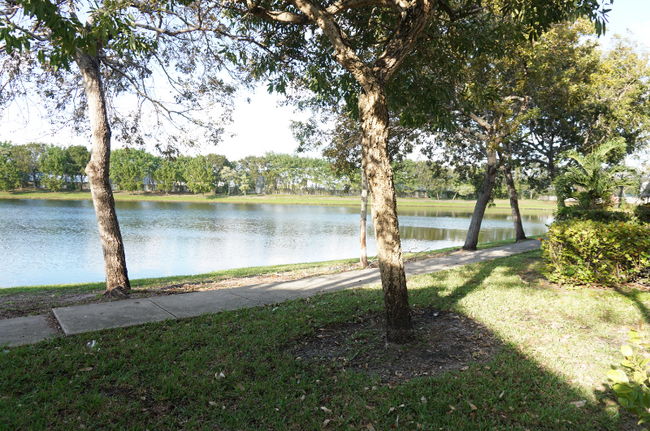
[320,363]
[270,199]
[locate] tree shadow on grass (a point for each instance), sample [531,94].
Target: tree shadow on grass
[458,375]
[439,383]
[633,296]
[568,400]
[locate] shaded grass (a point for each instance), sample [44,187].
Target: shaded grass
[557,346]
[271,199]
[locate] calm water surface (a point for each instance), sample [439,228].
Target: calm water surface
[55,242]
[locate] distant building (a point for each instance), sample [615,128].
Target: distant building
[645,190]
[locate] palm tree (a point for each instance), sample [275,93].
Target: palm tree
[590,180]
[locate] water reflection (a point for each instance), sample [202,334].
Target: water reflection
[52,242]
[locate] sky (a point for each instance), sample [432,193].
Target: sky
[260,124]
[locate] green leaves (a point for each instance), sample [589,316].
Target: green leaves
[595,181]
[64,35]
[199,174]
[626,351]
[633,394]
[9,172]
[586,251]
[130,167]
[53,164]
[538,17]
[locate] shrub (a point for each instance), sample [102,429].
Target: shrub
[578,213]
[631,383]
[642,213]
[587,251]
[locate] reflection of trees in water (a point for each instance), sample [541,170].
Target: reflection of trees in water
[542,217]
[434,213]
[431,234]
[504,234]
[486,235]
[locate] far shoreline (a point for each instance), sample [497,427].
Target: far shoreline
[273,199]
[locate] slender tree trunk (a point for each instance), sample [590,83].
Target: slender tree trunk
[520,235]
[620,196]
[373,111]
[117,279]
[364,214]
[483,198]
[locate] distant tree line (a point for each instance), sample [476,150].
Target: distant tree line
[40,165]
[55,168]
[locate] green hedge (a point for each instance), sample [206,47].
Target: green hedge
[577,213]
[587,251]
[642,212]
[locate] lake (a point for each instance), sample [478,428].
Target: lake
[56,242]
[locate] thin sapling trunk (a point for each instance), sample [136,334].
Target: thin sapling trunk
[364,215]
[520,235]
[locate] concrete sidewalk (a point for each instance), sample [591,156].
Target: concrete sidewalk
[84,318]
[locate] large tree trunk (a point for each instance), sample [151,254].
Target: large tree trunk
[483,198]
[117,279]
[520,235]
[373,111]
[364,215]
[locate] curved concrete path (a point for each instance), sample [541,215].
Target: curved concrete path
[85,318]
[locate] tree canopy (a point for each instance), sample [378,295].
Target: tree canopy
[79,67]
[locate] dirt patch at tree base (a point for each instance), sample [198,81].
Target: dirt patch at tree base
[445,341]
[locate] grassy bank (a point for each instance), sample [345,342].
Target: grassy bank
[269,199]
[498,348]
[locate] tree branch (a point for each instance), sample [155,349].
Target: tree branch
[479,120]
[354,4]
[280,16]
[413,21]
